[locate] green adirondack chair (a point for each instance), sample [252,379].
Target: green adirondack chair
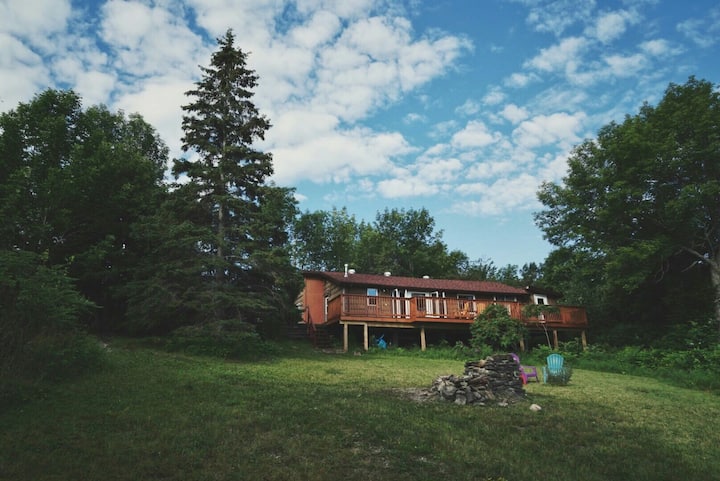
[554,365]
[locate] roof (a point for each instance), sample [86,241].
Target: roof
[423,284]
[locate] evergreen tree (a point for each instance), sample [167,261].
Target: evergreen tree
[239,217]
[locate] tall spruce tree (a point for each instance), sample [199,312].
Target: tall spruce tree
[228,189]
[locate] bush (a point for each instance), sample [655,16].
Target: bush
[40,309]
[496,328]
[230,339]
[62,357]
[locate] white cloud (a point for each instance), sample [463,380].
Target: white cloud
[470,107]
[337,156]
[488,170]
[514,114]
[35,20]
[445,170]
[149,40]
[520,80]
[560,128]
[556,16]
[474,135]
[626,66]
[320,29]
[503,195]
[158,100]
[611,25]
[22,72]
[407,187]
[494,96]
[414,117]
[560,57]
[659,48]
[705,32]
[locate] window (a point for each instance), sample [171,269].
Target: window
[372,294]
[541,300]
[465,302]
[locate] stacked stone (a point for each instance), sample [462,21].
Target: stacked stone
[494,379]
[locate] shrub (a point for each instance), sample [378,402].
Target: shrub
[231,339]
[40,310]
[496,328]
[60,357]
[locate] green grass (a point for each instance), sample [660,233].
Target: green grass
[153,415]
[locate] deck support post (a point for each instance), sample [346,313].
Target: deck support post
[345,337]
[555,339]
[366,342]
[522,344]
[583,337]
[423,344]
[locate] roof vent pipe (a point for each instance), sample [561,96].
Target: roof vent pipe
[346,270]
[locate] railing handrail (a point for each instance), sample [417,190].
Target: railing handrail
[411,309]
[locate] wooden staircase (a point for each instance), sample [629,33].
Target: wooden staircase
[320,335]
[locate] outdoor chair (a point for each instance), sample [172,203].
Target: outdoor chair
[526,372]
[554,366]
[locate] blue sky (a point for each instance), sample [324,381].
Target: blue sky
[462,107]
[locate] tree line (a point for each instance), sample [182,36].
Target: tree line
[95,238]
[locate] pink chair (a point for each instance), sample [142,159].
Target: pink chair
[526,372]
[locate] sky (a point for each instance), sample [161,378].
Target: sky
[461,107]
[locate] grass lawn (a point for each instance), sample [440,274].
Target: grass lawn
[152,415]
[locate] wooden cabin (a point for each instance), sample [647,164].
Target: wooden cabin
[389,304]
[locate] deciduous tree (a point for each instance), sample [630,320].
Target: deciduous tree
[644,197]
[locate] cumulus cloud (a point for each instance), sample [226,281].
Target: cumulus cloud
[513,113]
[556,16]
[34,21]
[475,134]
[626,66]
[559,57]
[503,195]
[561,128]
[148,40]
[337,156]
[470,107]
[494,96]
[611,25]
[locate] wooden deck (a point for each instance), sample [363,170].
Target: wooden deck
[402,311]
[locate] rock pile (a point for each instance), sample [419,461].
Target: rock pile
[494,379]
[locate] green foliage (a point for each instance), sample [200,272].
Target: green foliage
[694,367]
[537,310]
[227,339]
[401,241]
[73,182]
[39,305]
[496,328]
[637,213]
[233,220]
[63,356]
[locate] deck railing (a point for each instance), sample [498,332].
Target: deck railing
[440,309]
